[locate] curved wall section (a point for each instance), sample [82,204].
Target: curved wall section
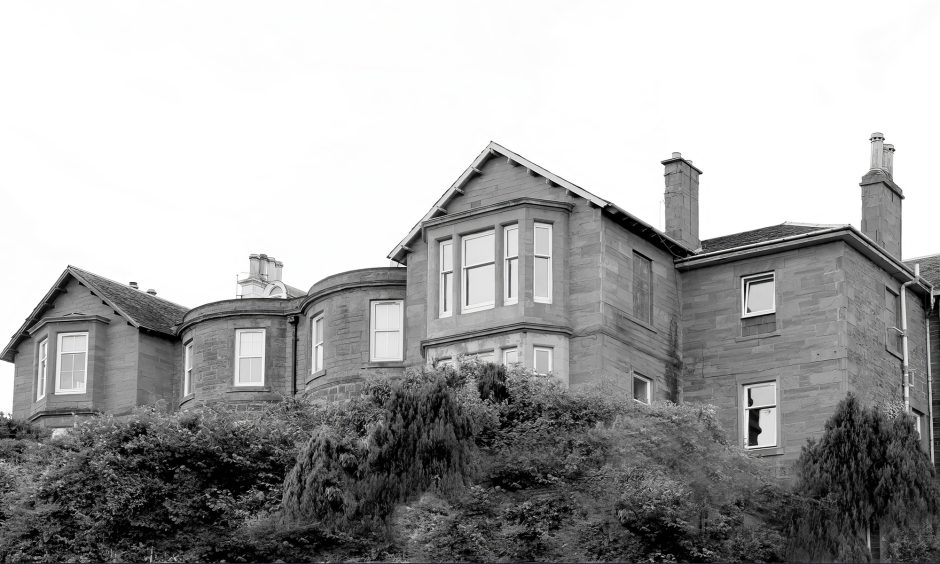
[213,331]
[344,303]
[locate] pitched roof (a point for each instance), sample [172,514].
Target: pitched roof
[494,149]
[929,268]
[140,309]
[762,235]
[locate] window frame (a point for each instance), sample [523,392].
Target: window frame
[535,258]
[238,356]
[59,391]
[648,315]
[318,348]
[42,368]
[896,336]
[509,350]
[510,264]
[401,330]
[466,268]
[551,359]
[746,281]
[649,388]
[187,368]
[745,415]
[445,297]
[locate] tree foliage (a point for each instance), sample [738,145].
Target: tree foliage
[866,470]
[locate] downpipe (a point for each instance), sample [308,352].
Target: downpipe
[929,379]
[906,371]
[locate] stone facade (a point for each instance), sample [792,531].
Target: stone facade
[564,281]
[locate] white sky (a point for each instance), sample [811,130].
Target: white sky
[164,142]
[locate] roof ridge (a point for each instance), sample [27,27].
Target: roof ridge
[819,225]
[129,287]
[921,257]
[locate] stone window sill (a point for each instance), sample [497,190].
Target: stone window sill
[316,375]
[766,451]
[757,336]
[640,322]
[385,364]
[240,389]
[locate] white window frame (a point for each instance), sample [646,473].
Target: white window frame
[746,409]
[551,359]
[746,282]
[536,257]
[466,268]
[318,350]
[238,356]
[401,331]
[446,298]
[509,350]
[918,423]
[42,369]
[510,263]
[58,364]
[187,369]
[649,388]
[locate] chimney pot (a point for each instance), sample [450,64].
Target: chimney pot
[676,155]
[877,150]
[152,292]
[133,285]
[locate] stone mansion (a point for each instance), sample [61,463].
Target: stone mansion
[515,264]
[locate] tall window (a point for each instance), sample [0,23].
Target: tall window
[510,356]
[317,332]
[543,360]
[511,265]
[893,321]
[760,415]
[249,357]
[758,295]
[447,278]
[387,331]
[918,422]
[641,389]
[479,271]
[542,263]
[41,371]
[188,369]
[72,367]
[643,288]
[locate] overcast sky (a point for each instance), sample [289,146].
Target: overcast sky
[164,142]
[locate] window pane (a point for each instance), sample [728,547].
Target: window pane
[762,427]
[78,374]
[540,281]
[642,288]
[65,380]
[760,296]
[478,249]
[543,240]
[511,356]
[73,343]
[388,344]
[762,395]
[447,256]
[250,344]
[387,317]
[319,358]
[543,360]
[480,285]
[641,390]
[448,289]
[244,370]
[512,279]
[512,242]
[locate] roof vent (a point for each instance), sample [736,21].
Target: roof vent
[152,292]
[133,285]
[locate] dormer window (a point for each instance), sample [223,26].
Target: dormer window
[72,365]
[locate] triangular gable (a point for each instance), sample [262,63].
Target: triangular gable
[494,149]
[96,284]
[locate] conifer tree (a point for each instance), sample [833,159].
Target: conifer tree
[866,472]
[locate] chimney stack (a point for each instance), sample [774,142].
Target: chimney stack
[682,200]
[881,198]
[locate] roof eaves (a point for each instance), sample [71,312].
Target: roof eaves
[58,286]
[492,149]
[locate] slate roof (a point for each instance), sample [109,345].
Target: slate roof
[142,309]
[929,268]
[762,235]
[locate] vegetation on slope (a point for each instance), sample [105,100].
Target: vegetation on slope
[474,464]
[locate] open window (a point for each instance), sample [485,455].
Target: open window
[642,389]
[758,295]
[760,415]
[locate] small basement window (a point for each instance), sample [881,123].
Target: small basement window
[641,389]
